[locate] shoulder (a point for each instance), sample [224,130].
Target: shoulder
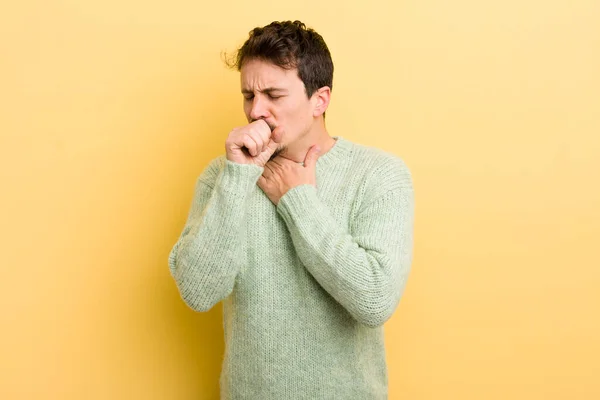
[382,169]
[375,173]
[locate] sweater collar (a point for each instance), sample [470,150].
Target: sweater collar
[340,151]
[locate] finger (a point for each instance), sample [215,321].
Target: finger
[262,182]
[275,140]
[260,132]
[260,144]
[268,170]
[312,156]
[262,125]
[277,161]
[251,145]
[264,129]
[277,134]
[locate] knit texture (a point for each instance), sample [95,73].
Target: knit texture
[306,285]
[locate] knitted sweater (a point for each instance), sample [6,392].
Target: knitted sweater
[306,285]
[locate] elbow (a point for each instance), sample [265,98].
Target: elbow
[197,295]
[375,311]
[375,318]
[196,303]
[377,301]
[195,292]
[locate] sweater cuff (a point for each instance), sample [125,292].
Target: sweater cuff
[239,178]
[298,201]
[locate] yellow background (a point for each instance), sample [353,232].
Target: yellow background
[110,109]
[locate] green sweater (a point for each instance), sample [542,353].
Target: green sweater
[306,285]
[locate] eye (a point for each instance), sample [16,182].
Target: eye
[248,97]
[274,97]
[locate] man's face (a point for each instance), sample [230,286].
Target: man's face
[279,97]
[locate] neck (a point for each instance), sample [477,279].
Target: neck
[297,150]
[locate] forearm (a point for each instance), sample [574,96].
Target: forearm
[206,259]
[364,270]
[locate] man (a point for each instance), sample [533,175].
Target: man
[306,238]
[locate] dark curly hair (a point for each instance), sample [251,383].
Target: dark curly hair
[289,45]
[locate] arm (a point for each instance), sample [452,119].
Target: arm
[365,269]
[207,257]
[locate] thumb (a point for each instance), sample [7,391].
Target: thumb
[312,156]
[275,139]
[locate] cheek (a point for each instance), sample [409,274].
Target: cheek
[295,116]
[300,114]
[305,115]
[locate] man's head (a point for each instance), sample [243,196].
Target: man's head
[286,77]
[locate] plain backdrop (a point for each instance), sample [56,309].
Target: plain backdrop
[110,109]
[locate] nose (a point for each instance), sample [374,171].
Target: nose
[259,109]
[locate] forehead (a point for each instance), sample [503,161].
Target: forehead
[257,74]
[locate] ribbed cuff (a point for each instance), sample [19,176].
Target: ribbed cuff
[299,200]
[239,178]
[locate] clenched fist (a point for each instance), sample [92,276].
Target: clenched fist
[254,143]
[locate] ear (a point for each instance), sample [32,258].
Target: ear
[321,97]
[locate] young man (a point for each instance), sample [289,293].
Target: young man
[306,238]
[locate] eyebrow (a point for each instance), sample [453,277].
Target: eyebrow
[265,90]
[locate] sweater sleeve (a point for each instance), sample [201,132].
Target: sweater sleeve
[207,256]
[363,267]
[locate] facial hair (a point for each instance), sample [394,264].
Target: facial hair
[280,150]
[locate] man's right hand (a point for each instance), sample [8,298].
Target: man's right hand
[253,143]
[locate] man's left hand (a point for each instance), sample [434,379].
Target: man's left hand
[281,174]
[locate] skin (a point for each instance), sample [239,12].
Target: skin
[285,128]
